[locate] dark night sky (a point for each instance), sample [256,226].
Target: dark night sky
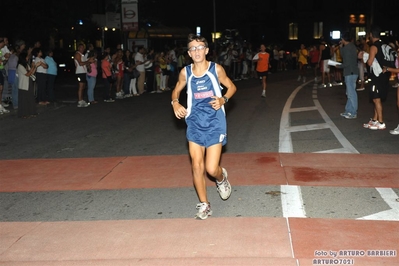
[198,13]
[175,12]
[33,20]
[39,17]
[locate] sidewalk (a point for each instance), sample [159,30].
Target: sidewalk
[186,241]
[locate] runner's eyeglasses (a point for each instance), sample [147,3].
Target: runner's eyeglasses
[195,48]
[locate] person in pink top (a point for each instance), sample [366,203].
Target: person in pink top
[92,77]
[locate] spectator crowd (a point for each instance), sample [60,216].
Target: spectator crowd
[28,72]
[124,73]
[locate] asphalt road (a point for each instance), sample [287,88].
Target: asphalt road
[145,125]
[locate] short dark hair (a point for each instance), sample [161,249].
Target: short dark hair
[49,51]
[92,53]
[193,37]
[346,37]
[36,51]
[105,55]
[375,31]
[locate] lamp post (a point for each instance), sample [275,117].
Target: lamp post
[103,39]
[214,27]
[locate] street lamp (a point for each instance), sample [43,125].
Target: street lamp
[103,29]
[214,28]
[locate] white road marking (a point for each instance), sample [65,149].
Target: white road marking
[337,133]
[285,141]
[292,201]
[291,196]
[389,196]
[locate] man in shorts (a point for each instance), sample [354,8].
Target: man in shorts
[394,131]
[81,71]
[378,89]
[262,66]
[324,56]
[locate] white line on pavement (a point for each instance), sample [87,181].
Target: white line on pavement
[291,196]
[390,197]
[292,202]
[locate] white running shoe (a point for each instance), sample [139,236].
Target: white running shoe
[83,103]
[321,86]
[224,187]
[3,110]
[350,116]
[395,131]
[204,210]
[378,126]
[369,124]
[119,96]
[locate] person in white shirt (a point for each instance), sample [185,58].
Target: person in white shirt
[80,63]
[41,76]
[139,61]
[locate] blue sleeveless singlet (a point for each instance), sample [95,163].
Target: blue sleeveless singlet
[205,125]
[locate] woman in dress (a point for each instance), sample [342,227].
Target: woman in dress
[26,94]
